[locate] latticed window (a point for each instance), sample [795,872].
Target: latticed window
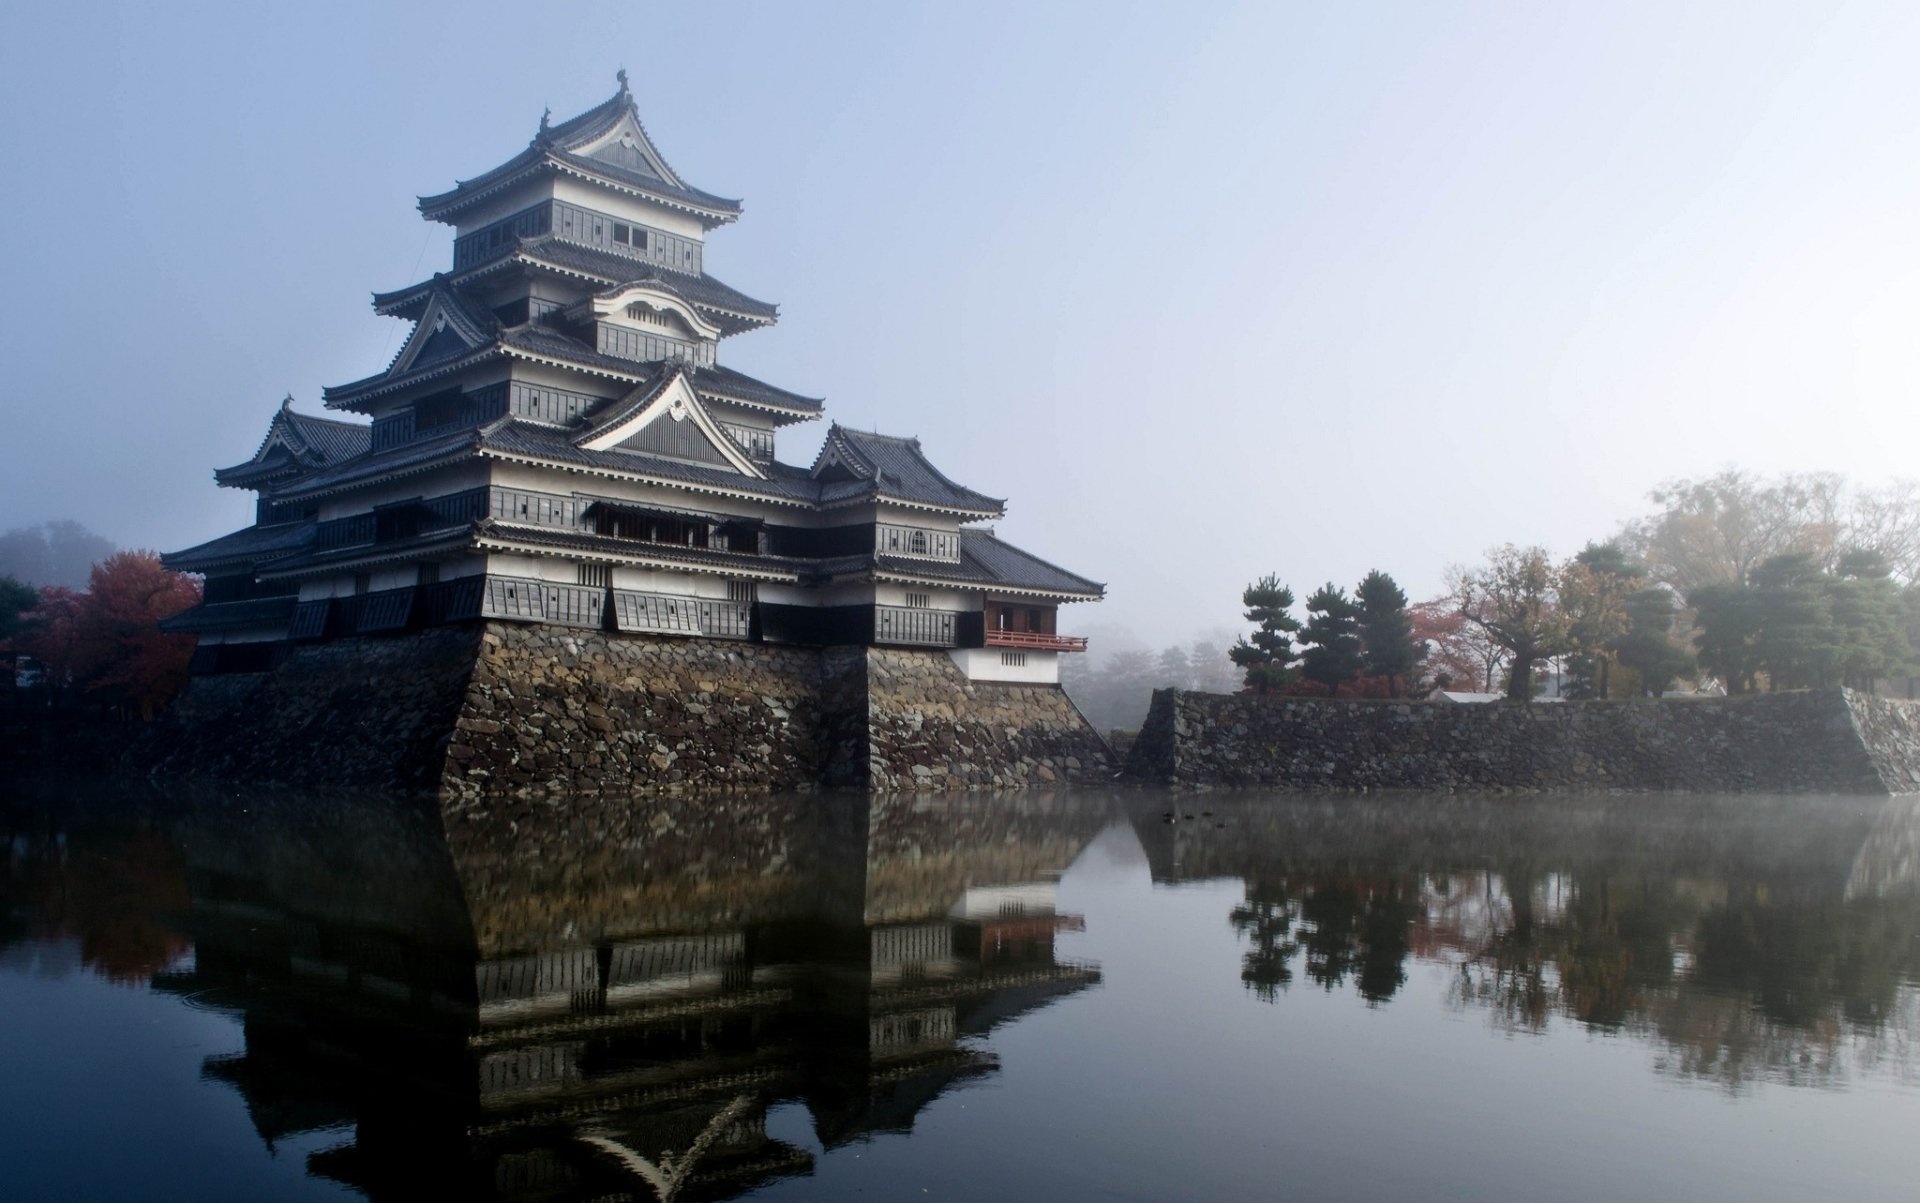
[919,601]
[740,591]
[596,576]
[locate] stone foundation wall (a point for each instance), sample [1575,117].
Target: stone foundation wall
[558,711]
[505,710]
[1823,741]
[360,712]
[929,727]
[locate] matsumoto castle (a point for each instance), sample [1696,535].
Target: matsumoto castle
[558,443]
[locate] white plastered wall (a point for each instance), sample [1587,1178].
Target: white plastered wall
[937,599]
[1008,665]
[620,205]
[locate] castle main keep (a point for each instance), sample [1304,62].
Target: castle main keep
[557,512]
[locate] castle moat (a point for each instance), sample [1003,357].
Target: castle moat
[247,993]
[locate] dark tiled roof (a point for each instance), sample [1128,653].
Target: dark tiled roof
[892,468]
[332,438]
[249,544]
[475,324]
[255,612]
[607,267]
[573,540]
[296,442]
[406,458]
[726,383]
[545,340]
[370,553]
[554,146]
[604,418]
[698,197]
[986,561]
[532,441]
[702,289]
[715,380]
[986,557]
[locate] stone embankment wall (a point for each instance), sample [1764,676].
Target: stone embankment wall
[1826,741]
[928,727]
[504,709]
[362,712]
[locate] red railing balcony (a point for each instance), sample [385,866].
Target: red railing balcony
[1035,641]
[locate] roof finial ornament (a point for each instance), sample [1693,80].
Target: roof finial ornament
[621,75]
[286,402]
[546,119]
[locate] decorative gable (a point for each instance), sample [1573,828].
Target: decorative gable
[668,419]
[444,331]
[627,146]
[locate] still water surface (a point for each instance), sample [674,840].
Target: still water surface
[1062,998]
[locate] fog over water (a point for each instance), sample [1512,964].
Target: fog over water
[1207,291]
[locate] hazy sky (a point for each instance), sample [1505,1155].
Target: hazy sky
[1206,290]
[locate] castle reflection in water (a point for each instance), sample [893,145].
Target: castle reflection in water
[507,1013]
[565,1001]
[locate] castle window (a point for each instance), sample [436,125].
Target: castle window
[918,543]
[429,574]
[441,409]
[596,576]
[740,591]
[1014,659]
[361,583]
[919,601]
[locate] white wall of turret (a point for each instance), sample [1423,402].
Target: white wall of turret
[616,204]
[1008,666]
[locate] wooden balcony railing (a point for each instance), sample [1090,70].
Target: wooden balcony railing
[1035,641]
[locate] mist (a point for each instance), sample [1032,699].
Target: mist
[1207,293]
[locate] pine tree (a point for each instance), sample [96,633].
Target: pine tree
[1267,659]
[1332,635]
[1647,647]
[1386,631]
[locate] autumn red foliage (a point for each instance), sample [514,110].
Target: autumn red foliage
[106,645]
[1459,655]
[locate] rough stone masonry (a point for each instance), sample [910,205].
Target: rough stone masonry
[508,709]
[1836,741]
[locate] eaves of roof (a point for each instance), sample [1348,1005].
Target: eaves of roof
[501,536]
[218,616]
[605,268]
[244,546]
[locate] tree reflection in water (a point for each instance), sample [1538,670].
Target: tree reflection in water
[1745,939]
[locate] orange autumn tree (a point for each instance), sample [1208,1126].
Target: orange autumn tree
[107,643]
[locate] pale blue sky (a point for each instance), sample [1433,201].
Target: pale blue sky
[1206,290]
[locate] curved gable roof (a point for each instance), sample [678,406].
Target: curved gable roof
[558,148]
[295,444]
[890,468]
